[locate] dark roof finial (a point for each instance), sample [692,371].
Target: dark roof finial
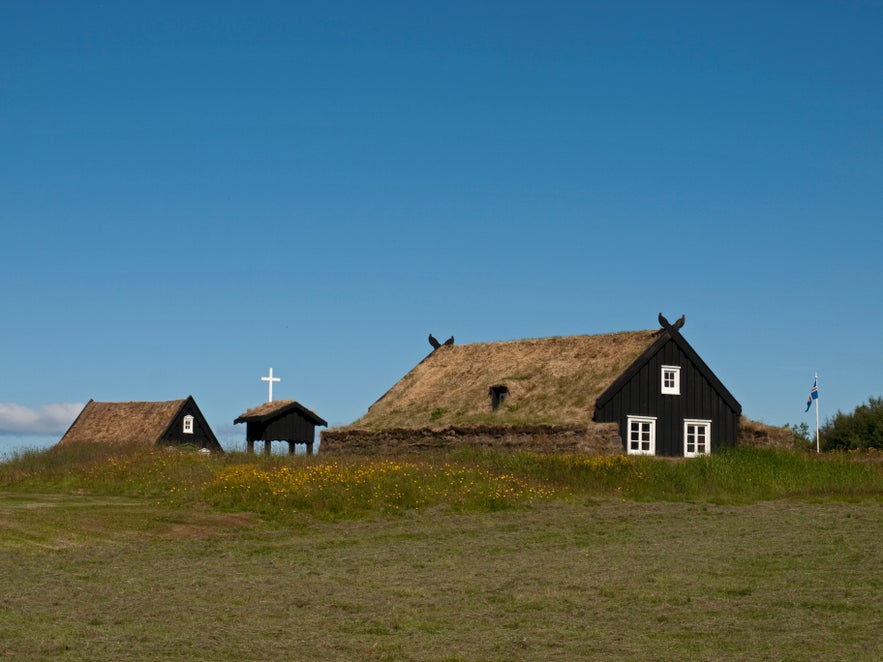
[665,324]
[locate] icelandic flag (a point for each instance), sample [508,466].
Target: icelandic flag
[813,394]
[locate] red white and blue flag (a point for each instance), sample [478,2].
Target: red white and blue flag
[813,394]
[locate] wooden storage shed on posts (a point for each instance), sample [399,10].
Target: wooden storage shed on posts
[281,420]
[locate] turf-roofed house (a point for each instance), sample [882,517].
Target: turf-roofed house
[168,423]
[282,420]
[635,392]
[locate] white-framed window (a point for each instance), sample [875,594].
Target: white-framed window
[188,424]
[671,380]
[641,435]
[697,437]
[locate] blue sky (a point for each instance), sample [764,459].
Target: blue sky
[193,192]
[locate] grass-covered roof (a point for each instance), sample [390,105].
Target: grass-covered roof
[123,422]
[549,380]
[277,408]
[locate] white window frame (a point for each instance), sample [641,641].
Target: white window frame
[188,424]
[675,387]
[697,423]
[634,444]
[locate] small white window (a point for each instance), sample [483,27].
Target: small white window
[671,380]
[188,424]
[697,437]
[641,435]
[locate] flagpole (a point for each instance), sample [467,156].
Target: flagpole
[818,450]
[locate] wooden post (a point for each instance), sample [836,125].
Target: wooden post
[291,449]
[309,448]
[267,447]
[249,446]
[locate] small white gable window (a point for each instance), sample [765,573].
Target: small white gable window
[188,424]
[671,380]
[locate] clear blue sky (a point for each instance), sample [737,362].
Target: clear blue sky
[193,192]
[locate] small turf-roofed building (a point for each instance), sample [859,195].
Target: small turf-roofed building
[281,420]
[638,392]
[168,423]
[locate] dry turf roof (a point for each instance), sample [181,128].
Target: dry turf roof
[123,422]
[270,410]
[550,381]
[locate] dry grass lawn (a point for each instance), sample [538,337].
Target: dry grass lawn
[88,578]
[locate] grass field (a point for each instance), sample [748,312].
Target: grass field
[568,569]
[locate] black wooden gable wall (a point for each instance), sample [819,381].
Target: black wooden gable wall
[202,435]
[638,392]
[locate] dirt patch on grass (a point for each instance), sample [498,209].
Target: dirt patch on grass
[66,521]
[206,525]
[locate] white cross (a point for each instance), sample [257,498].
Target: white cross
[270,379]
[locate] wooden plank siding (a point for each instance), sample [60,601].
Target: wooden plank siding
[702,396]
[291,427]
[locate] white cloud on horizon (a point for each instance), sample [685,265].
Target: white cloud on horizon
[16,419]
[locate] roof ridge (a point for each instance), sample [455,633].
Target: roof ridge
[549,338]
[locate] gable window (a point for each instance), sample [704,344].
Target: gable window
[641,435]
[671,380]
[697,437]
[188,424]
[498,394]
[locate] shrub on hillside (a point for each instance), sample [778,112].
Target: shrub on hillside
[804,437]
[860,430]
